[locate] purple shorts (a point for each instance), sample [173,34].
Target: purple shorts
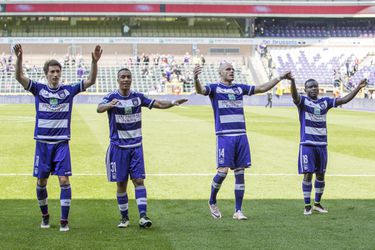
[122,162]
[312,159]
[233,152]
[52,159]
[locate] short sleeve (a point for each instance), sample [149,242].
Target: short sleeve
[209,89]
[77,88]
[301,101]
[106,99]
[331,102]
[146,102]
[33,87]
[247,89]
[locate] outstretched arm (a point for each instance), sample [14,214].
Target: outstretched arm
[161,104]
[339,101]
[198,87]
[103,107]
[293,89]
[94,67]
[20,77]
[269,85]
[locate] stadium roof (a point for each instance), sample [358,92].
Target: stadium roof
[234,8]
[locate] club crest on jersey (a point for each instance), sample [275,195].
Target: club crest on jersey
[236,91]
[231,97]
[322,105]
[62,94]
[53,102]
[135,102]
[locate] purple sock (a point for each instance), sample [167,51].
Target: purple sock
[122,200]
[215,186]
[306,188]
[41,194]
[239,189]
[65,199]
[141,198]
[319,189]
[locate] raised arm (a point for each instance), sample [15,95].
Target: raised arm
[20,77]
[198,87]
[161,104]
[269,85]
[293,89]
[103,107]
[94,67]
[339,101]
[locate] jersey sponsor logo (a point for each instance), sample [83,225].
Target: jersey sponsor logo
[53,102]
[315,118]
[128,110]
[128,118]
[230,104]
[59,95]
[231,97]
[45,107]
[317,111]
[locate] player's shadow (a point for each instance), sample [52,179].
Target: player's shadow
[187,224]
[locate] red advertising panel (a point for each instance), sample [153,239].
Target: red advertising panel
[76,8]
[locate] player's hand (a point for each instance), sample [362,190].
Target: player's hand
[179,102]
[97,53]
[18,50]
[197,71]
[363,83]
[287,75]
[113,103]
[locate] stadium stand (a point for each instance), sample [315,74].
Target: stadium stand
[321,63]
[147,77]
[314,27]
[114,27]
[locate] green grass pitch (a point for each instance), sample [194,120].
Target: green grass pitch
[179,147]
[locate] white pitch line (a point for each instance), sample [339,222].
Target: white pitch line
[198,174]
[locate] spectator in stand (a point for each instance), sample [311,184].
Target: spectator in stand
[203,60]
[336,78]
[156,59]
[80,71]
[187,58]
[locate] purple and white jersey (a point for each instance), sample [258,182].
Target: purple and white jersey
[312,117]
[53,110]
[125,119]
[227,103]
